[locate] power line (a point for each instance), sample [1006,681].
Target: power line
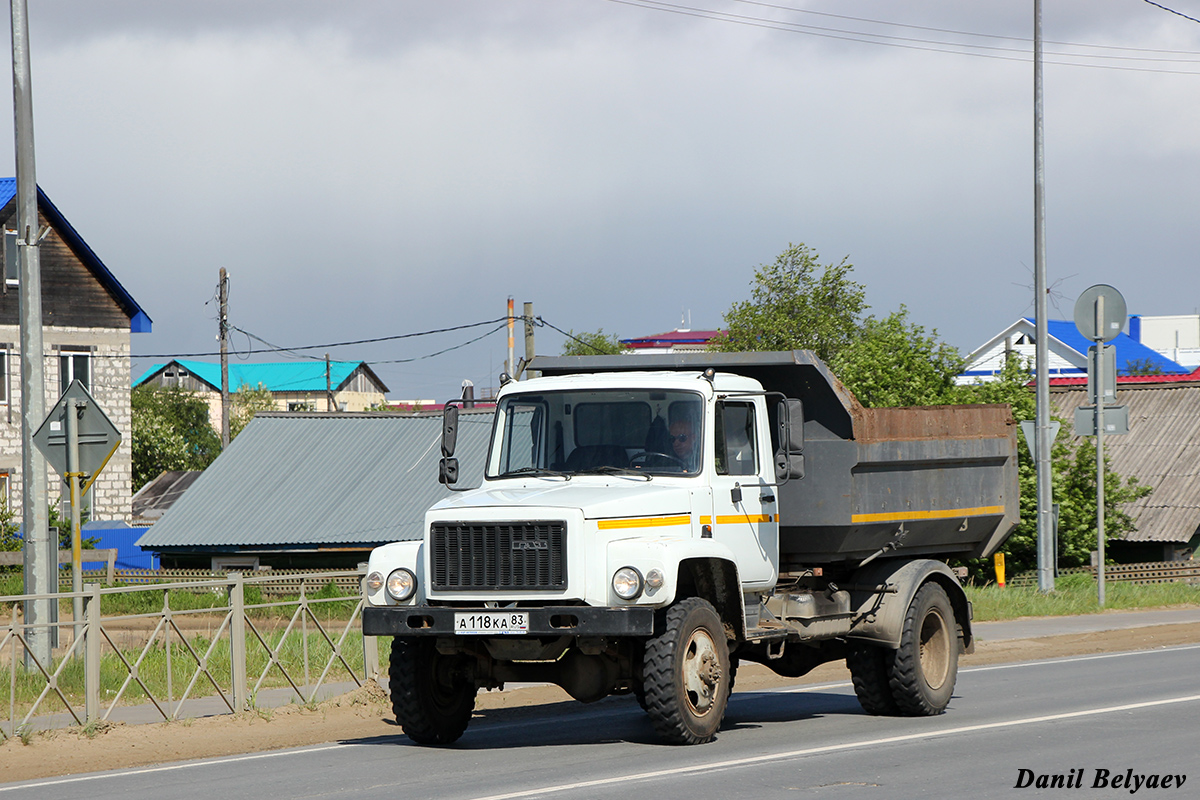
[540,321]
[1171,10]
[954,32]
[277,349]
[901,42]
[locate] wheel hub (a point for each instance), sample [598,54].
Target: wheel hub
[701,672]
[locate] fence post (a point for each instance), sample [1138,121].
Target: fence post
[370,643]
[237,640]
[91,657]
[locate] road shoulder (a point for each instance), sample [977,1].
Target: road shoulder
[364,715]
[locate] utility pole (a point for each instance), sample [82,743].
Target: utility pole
[328,387]
[223,333]
[41,551]
[512,364]
[528,338]
[1046,555]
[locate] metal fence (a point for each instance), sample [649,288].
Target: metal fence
[1145,572]
[225,637]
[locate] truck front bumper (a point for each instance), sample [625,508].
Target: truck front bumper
[543,621]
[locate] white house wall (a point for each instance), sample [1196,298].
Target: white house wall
[986,362]
[109,385]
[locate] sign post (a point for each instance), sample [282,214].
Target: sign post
[77,439]
[1100,316]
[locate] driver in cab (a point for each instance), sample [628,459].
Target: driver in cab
[683,442]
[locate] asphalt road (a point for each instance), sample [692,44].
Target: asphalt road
[1074,717]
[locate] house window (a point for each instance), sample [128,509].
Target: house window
[4,476]
[4,373]
[174,377]
[12,271]
[74,365]
[301,405]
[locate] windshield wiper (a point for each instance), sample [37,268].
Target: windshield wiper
[610,470]
[537,472]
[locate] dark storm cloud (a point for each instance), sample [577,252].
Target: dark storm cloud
[370,168]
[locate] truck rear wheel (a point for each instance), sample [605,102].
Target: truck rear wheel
[925,667]
[687,674]
[869,667]
[433,695]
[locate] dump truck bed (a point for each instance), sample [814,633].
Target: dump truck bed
[929,481]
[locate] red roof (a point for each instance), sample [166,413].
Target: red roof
[1191,377]
[670,338]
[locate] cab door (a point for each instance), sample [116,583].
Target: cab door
[744,506]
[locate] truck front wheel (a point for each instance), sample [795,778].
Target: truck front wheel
[433,695]
[687,674]
[925,667]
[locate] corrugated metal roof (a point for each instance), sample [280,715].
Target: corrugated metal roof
[321,479]
[1162,449]
[152,500]
[288,376]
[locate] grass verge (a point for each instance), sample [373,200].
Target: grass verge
[1076,594]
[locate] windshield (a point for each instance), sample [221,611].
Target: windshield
[596,432]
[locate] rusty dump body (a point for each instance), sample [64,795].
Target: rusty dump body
[929,481]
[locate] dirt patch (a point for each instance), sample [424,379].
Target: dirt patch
[365,714]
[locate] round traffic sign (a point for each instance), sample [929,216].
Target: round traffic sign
[1110,320]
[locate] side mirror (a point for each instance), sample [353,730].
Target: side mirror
[788,466]
[449,431]
[448,471]
[789,459]
[791,425]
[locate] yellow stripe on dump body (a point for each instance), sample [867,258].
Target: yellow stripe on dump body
[644,522]
[949,513]
[735,519]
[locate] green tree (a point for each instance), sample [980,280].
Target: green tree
[9,541]
[246,403]
[171,431]
[797,304]
[894,362]
[592,344]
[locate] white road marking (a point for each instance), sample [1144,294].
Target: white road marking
[172,767]
[833,748]
[1077,659]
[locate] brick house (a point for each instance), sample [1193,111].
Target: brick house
[87,319]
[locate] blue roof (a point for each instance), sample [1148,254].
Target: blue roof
[289,376]
[139,321]
[1128,349]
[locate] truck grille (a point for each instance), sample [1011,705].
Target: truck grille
[511,555]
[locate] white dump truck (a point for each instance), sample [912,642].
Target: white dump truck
[645,523]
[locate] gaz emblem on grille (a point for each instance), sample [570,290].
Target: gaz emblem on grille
[530,545]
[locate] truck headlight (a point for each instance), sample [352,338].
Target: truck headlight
[401,584]
[374,582]
[627,583]
[654,580]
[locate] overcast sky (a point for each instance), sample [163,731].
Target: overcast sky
[369,168]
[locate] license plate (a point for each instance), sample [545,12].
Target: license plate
[491,622]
